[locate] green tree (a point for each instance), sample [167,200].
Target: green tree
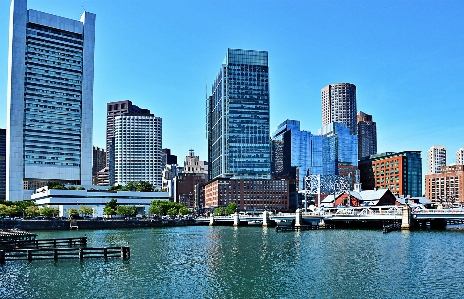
[173,211]
[48,211]
[231,208]
[140,186]
[73,212]
[161,207]
[85,210]
[23,205]
[115,188]
[184,210]
[55,185]
[80,188]
[72,188]
[126,211]
[110,207]
[219,211]
[31,211]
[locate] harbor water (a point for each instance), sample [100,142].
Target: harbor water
[249,262]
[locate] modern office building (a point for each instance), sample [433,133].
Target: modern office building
[460,156]
[2,164]
[114,109]
[291,147]
[50,100]
[367,135]
[436,158]
[342,147]
[446,186]
[339,105]
[400,172]
[99,162]
[238,117]
[137,149]
[249,194]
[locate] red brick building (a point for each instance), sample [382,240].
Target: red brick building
[249,194]
[184,189]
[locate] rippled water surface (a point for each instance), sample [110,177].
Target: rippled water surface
[249,262]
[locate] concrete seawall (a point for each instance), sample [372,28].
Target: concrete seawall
[88,224]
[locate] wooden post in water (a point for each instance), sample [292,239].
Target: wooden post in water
[55,254]
[125,252]
[29,255]
[81,254]
[2,257]
[105,253]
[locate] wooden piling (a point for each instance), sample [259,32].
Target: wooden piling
[2,257]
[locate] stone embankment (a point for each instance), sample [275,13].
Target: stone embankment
[58,224]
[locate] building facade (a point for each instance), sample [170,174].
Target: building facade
[460,156]
[367,135]
[2,164]
[114,109]
[238,117]
[138,144]
[446,186]
[99,162]
[50,100]
[436,158]
[249,194]
[339,105]
[400,172]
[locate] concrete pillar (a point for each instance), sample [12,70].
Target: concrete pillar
[405,217]
[265,219]
[211,220]
[236,219]
[298,218]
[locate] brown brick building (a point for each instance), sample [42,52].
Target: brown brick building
[447,185]
[249,194]
[184,189]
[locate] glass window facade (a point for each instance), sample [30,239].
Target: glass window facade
[52,96]
[238,117]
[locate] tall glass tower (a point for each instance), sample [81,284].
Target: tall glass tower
[50,100]
[238,117]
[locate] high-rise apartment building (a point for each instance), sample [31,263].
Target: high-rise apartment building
[460,156]
[339,105]
[238,117]
[2,164]
[367,135]
[50,100]
[137,149]
[446,186]
[114,109]
[400,172]
[436,158]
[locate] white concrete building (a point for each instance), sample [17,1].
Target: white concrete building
[138,144]
[460,156]
[96,199]
[436,158]
[49,100]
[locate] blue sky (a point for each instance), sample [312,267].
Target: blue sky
[405,57]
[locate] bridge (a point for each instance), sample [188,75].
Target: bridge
[406,215]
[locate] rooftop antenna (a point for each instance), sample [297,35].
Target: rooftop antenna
[83,8]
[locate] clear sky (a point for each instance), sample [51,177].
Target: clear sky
[405,57]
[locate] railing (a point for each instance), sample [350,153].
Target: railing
[64,253]
[44,243]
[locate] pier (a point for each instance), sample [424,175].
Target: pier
[64,253]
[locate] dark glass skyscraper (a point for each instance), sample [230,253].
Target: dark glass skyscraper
[238,117]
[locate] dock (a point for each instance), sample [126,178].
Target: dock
[63,253]
[286,228]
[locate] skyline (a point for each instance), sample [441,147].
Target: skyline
[395,53]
